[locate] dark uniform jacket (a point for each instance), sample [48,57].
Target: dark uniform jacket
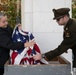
[69,41]
[6,44]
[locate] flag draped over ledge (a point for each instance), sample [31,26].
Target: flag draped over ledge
[24,56]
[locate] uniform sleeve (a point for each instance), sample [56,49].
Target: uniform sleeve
[67,43]
[6,42]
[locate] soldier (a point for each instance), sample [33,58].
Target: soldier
[61,16]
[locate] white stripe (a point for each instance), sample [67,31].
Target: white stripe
[14,30]
[20,56]
[44,61]
[22,32]
[27,62]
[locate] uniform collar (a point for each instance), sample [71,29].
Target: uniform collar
[68,23]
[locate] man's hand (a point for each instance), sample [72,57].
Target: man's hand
[37,57]
[29,44]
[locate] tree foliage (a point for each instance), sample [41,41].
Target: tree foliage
[74,10]
[10,8]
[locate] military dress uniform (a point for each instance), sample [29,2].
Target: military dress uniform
[69,41]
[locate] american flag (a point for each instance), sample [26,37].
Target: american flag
[24,56]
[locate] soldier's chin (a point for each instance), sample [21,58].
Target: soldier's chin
[61,24]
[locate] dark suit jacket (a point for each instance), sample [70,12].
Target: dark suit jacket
[69,41]
[6,44]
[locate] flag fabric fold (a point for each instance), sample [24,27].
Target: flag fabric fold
[24,56]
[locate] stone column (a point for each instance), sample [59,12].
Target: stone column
[27,15]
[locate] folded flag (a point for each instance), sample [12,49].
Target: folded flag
[24,56]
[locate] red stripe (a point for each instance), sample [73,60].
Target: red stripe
[37,48]
[13,56]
